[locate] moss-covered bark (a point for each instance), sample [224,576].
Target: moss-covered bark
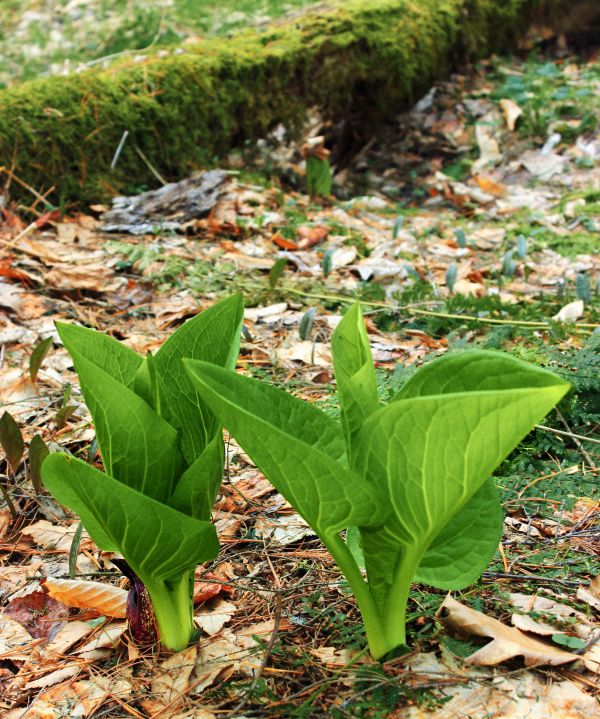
[370,57]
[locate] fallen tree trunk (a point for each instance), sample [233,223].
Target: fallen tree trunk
[183,108]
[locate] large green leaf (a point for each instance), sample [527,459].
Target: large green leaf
[354,373]
[137,446]
[298,447]
[113,357]
[158,542]
[198,486]
[462,550]
[211,336]
[430,454]
[475,370]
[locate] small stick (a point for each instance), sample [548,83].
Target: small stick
[33,191]
[530,578]
[119,149]
[573,436]
[149,165]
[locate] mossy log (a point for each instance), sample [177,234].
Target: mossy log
[184,109]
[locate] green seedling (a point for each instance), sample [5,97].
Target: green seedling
[162,450]
[409,483]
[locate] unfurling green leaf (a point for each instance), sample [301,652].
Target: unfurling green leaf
[460,237]
[318,177]
[276,271]
[11,440]
[306,323]
[582,287]
[398,224]
[38,451]
[37,357]
[410,482]
[327,262]
[162,451]
[451,274]
[522,246]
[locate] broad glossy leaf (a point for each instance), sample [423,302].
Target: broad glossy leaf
[298,447]
[113,357]
[463,549]
[475,370]
[137,446]
[430,455]
[211,336]
[354,373]
[159,542]
[198,486]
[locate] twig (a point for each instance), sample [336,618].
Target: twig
[150,166]
[33,191]
[119,149]
[574,437]
[531,578]
[428,313]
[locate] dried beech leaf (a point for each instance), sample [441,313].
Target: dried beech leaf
[53,536]
[106,599]
[507,642]
[171,682]
[213,620]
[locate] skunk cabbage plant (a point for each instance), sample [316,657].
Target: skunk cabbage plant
[409,482]
[162,451]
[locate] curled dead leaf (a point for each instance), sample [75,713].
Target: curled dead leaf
[507,642]
[106,599]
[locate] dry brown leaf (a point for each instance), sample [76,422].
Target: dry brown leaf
[591,595]
[489,151]
[67,636]
[5,522]
[96,277]
[591,658]
[535,603]
[507,642]
[15,387]
[171,682]
[489,185]
[14,578]
[106,599]
[526,624]
[105,638]
[13,637]
[55,536]
[55,677]
[525,695]
[511,111]
[282,530]
[317,354]
[213,620]
[217,660]
[570,312]
[335,657]
[76,699]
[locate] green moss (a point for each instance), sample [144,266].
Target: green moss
[184,110]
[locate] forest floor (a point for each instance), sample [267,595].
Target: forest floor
[474,221]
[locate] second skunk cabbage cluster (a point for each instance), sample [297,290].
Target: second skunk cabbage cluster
[162,450]
[403,490]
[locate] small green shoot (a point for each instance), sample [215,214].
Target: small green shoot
[37,357]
